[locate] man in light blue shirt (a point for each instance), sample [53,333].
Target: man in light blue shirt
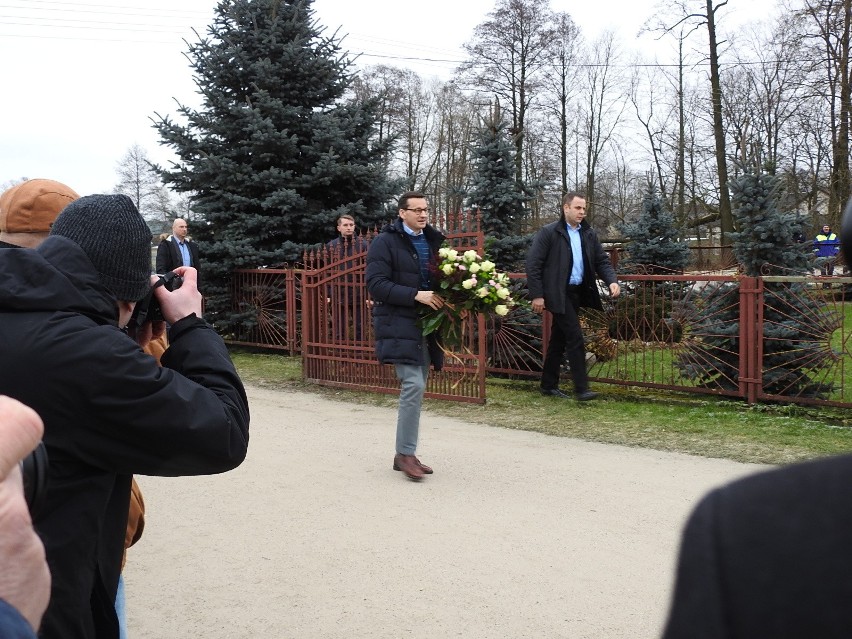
[563,264]
[178,250]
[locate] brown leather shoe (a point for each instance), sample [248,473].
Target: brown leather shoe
[409,465]
[427,470]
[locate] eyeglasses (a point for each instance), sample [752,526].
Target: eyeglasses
[418,211]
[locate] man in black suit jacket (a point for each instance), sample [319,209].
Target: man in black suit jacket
[770,555]
[176,250]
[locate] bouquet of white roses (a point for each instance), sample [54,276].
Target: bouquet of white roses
[468,283]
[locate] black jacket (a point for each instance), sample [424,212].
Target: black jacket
[109,412]
[769,557]
[340,248]
[169,257]
[549,262]
[393,280]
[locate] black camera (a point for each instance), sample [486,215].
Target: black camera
[34,470]
[148,308]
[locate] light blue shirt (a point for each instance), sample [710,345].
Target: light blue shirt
[184,253]
[577,253]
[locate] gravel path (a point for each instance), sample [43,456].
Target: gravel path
[517,534]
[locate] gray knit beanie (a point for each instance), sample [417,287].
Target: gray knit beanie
[116,239]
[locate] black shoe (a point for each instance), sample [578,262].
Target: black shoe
[586,396]
[554,392]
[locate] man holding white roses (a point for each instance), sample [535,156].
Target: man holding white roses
[563,264]
[399,278]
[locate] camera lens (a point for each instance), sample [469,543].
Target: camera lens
[34,469]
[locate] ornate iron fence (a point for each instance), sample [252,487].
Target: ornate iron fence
[337,339]
[760,339]
[269,302]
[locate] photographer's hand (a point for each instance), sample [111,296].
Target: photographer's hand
[183,301]
[24,575]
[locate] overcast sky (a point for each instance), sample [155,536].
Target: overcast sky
[81,80]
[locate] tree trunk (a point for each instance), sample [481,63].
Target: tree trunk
[726,219]
[840,181]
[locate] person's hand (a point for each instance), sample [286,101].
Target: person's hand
[146,333]
[538,305]
[429,298]
[181,302]
[24,575]
[614,289]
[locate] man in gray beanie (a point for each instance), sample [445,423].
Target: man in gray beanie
[108,410]
[114,237]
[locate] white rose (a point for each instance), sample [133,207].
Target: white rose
[452,254]
[503,293]
[482,292]
[469,284]
[443,251]
[474,268]
[487,266]
[471,256]
[448,269]
[501,309]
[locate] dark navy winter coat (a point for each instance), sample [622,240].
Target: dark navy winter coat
[393,279]
[109,412]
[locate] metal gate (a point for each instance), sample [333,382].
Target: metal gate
[338,346]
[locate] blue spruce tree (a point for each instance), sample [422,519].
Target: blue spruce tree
[501,200]
[495,191]
[652,239]
[795,325]
[275,153]
[652,248]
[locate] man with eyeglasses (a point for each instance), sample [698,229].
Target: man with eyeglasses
[399,261]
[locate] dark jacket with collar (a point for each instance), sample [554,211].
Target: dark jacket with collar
[109,412]
[340,248]
[169,257]
[393,280]
[549,262]
[768,557]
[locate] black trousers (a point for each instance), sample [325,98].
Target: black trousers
[565,334]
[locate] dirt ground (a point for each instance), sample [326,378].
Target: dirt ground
[517,534]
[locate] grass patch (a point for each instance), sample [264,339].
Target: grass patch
[706,426]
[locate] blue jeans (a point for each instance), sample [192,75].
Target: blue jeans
[120,609]
[412,386]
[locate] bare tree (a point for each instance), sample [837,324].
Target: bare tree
[693,14]
[830,22]
[508,57]
[140,182]
[561,86]
[602,108]
[663,100]
[405,118]
[384,85]
[451,139]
